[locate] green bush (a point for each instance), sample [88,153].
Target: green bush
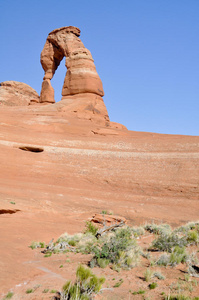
[104,212]
[178,256]
[34,245]
[9,295]
[163,260]
[148,275]
[140,292]
[103,262]
[153,285]
[168,242]
[193,237]
[86,284]
[158,229]
[48,254]
[137,231]
[90,228]
[120,249]
[86,243]
[42,245]
[72,243]
[29,291]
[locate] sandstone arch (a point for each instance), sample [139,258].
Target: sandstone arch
[81,76]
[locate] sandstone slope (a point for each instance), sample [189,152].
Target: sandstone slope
[81,167]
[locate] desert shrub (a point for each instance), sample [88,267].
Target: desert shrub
[120,249]
[86,284]
[163,260]
[104,212]
[48,254]
[158,229]
[148,275]
[145,254]
[137,231]
[168,242]
[115,267]
[185,228]
[72,243]
[81,242]
[193,237]
[159,275]
[29,291]
[69,238]
[153,285]
[9,295]
[103,262]
[90,228]
[86,244]
[34,245]
[42,244]
[140,292]
[180,297]
[178,256]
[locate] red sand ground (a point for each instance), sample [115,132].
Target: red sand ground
[85,168]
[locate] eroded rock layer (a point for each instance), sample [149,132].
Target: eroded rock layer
[14,93]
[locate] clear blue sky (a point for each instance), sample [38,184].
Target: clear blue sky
[146,53]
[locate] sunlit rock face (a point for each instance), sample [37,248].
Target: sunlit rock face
[81,76]
[14,93]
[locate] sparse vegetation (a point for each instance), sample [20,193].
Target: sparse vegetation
[118,249]
[166,242]
[29,291]
[118,283]
[158,229]
[178,255]
[35,245]
[106,212]
[153,285]
[140,292]
[9,295]
[48,254]
[180,297]
[90,228]
[148,275]
[159,275]
[85,286]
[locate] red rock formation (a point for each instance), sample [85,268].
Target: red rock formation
[81,77]
[14,93]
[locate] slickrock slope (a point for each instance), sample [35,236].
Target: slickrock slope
[14,93]
[83,169]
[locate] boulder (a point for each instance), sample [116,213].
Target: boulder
[14,93]
[108,219]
